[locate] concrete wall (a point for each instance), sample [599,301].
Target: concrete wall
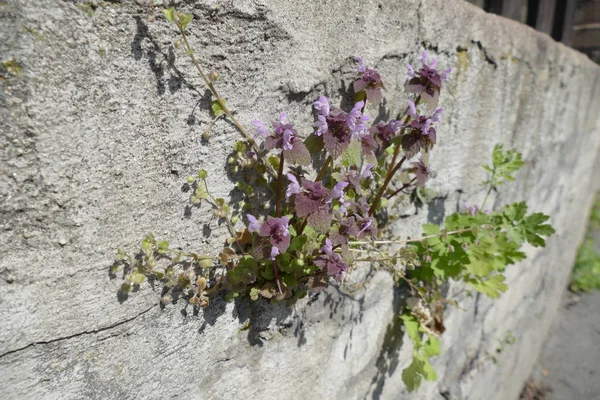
[104,121]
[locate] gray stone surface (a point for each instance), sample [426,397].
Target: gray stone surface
[104,122]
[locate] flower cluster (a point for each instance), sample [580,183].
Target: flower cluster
[340,205]
[427,81]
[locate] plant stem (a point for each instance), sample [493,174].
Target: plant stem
[393,167]
[388,178]
[489,189]
[226,218]
[375,242]
[276,272]
[221,100]
[402,188]
[279,186]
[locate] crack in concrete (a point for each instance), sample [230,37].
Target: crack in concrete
[95,331]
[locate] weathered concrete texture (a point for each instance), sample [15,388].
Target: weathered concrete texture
[103,124]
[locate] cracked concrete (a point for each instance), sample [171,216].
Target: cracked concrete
[104,122]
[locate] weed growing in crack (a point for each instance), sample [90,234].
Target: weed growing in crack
[318,225]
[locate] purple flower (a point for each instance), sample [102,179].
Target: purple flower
[369,81]
[293,187]
[386,131]
[261,129]
[421,172]
[421,133]
[276,229]
[338,127]
[285,138]
[356,120]
[472,210]
[321,125]
[338,190]
[427,81]
[369,146]
[331,261]
[314,202]
[254,225]
[353,179]
[322,106]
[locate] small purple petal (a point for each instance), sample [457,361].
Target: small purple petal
[366,224]
[412,109]
[274,252]
[288,135]
[261,129]
[321,125]
[437,115]
[411,71]
[338,190]
[293,187]
[282,117]
[254,225]
[322,105]
[327,248]
[362,67]
[367,172]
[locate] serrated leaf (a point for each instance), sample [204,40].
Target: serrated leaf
[431,229]
[411,375]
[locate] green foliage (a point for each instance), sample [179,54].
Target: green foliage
[586,273]
[471,247]
[504,163]
[352,156]
[425,346]
[216,107]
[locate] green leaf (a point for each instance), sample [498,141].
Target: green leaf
[411,375]
[314,143]
[412,328]
[298,243]
[169,14]
[431,348]
[491,287]
[185,19]
[431,229]
[202,174]
[216,107]
[351,157]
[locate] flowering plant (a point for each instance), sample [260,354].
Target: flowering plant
[322,223]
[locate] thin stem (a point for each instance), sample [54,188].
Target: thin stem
[489,189]
[393,166]
[276,271]
[376,242]
[279,186]
[226,218]
[402,188]
[220,99]
[388,178]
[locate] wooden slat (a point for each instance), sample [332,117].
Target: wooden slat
[567,33]
[545,17]
[514,9]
